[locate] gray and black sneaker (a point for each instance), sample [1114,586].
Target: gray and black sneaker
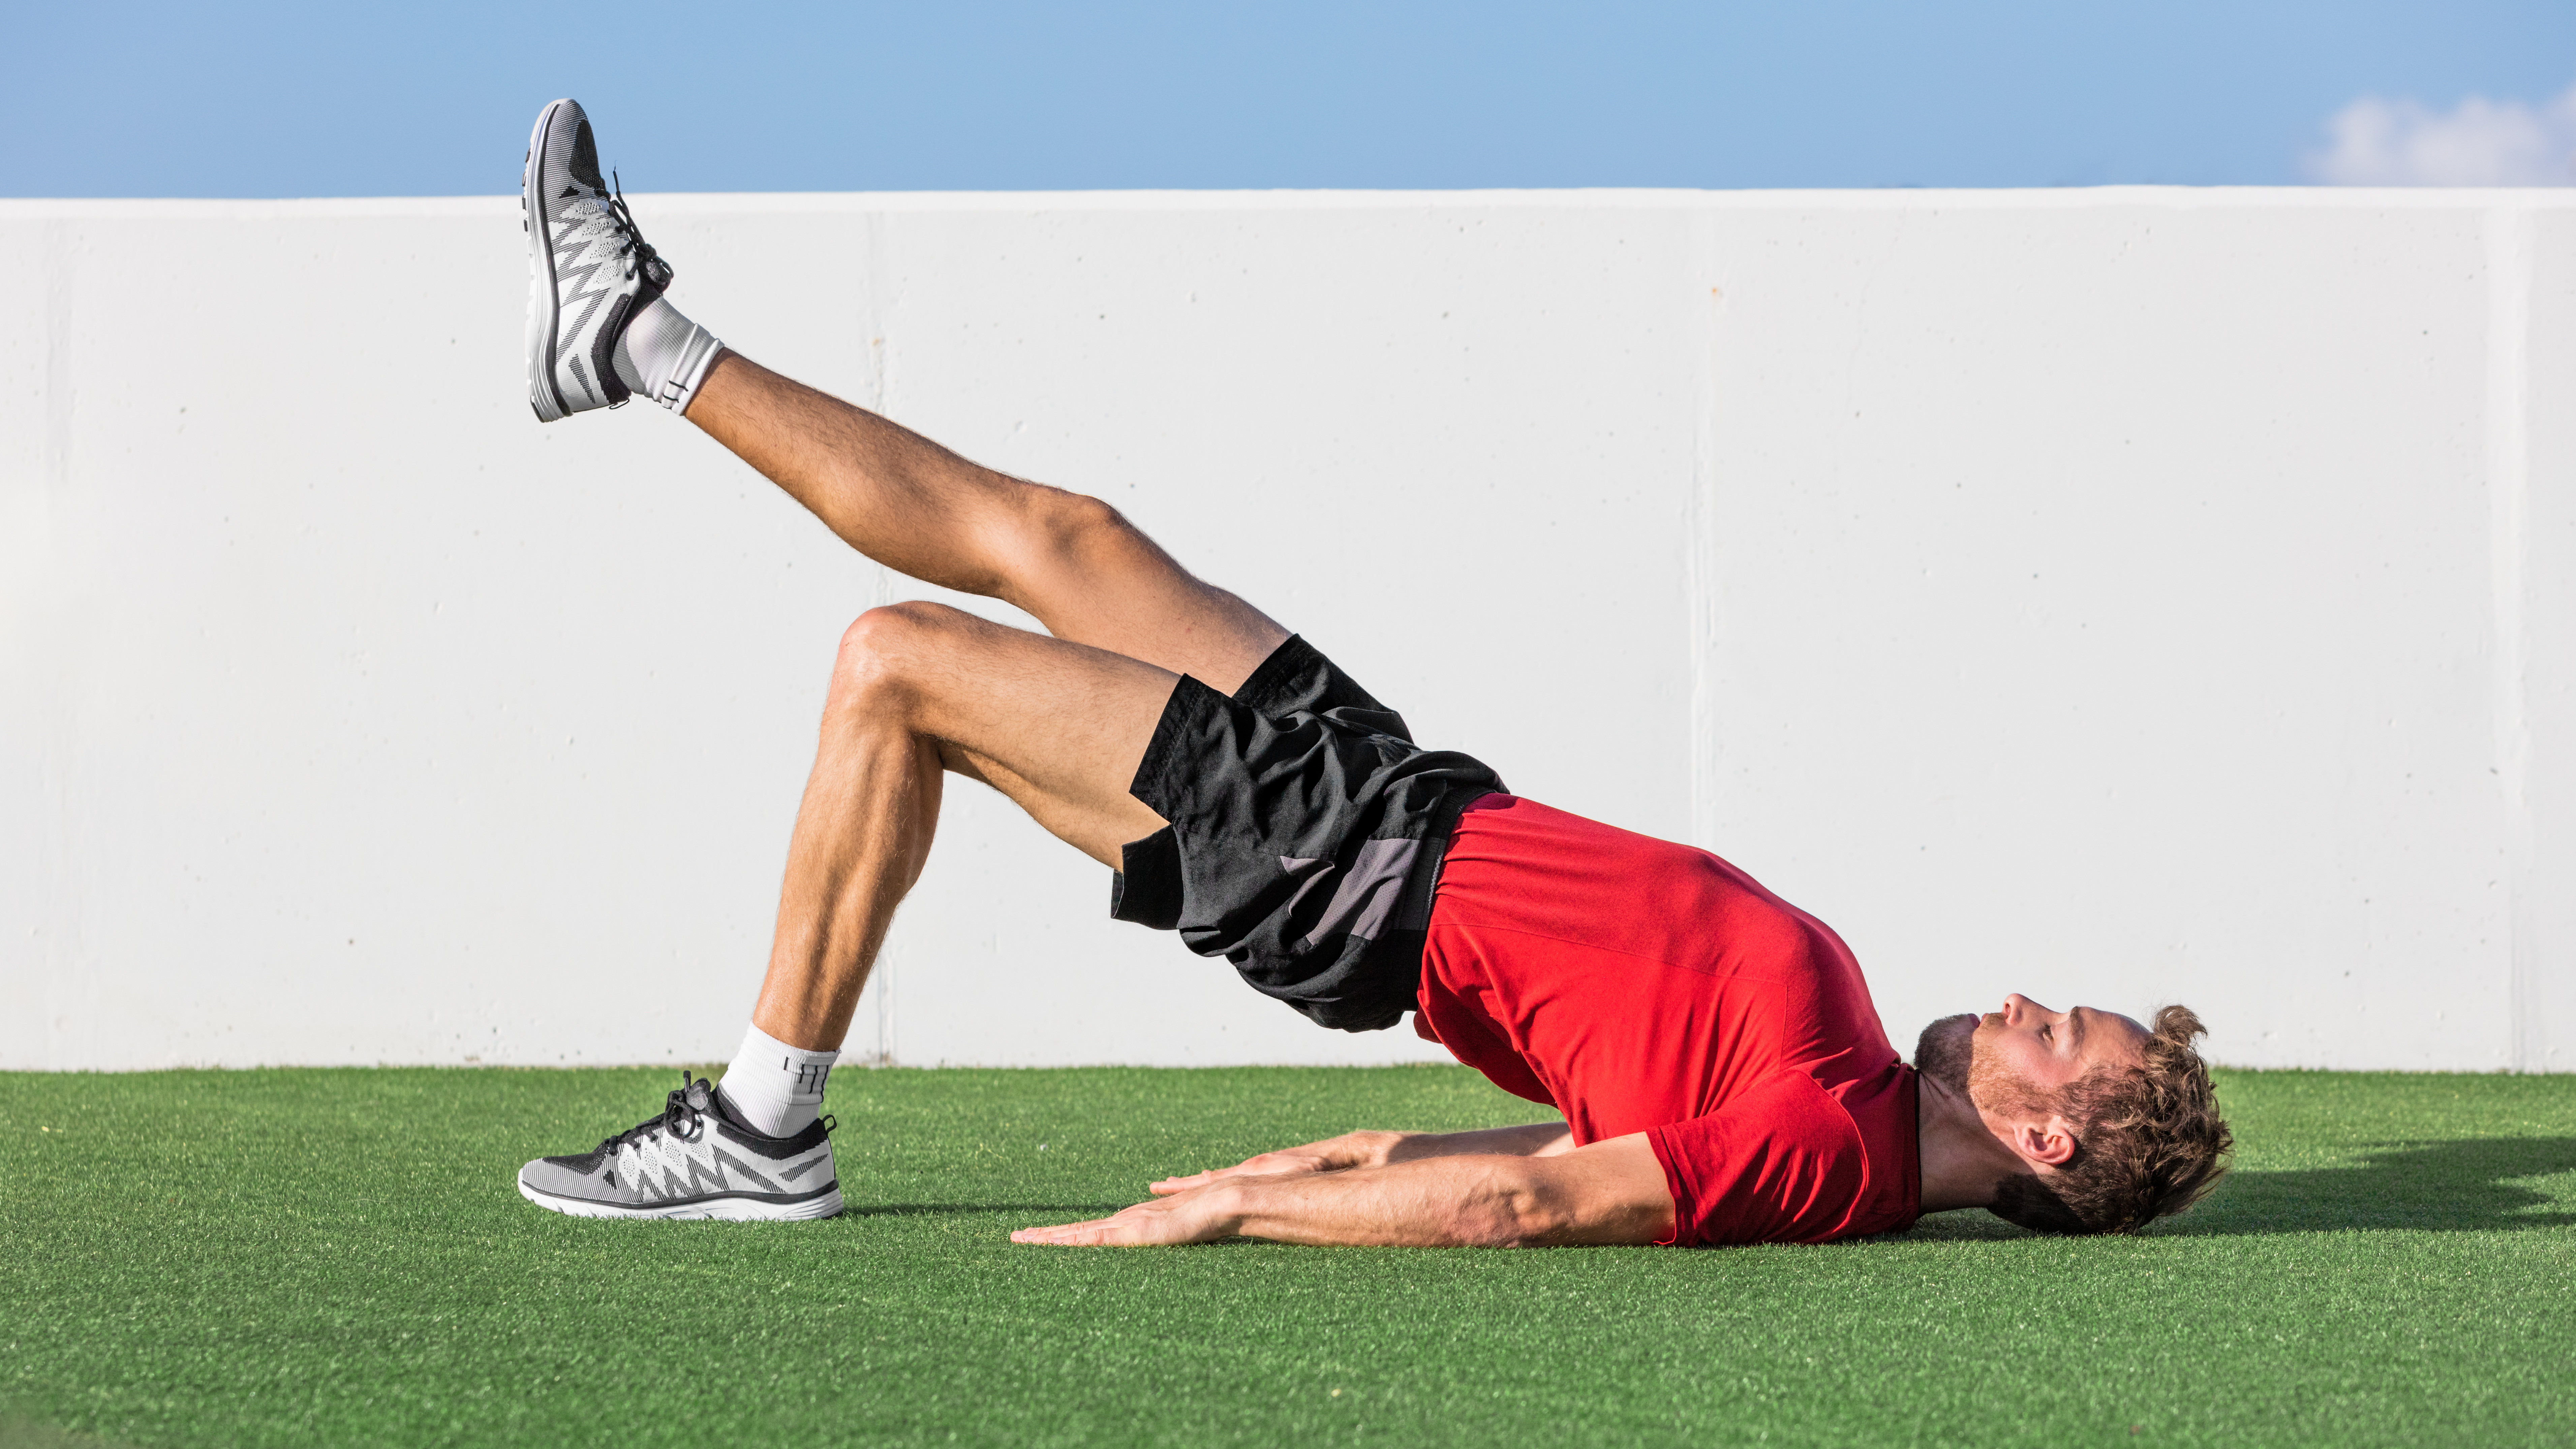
[693,1161]
[589,270]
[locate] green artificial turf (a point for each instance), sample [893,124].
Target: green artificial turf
[339,1258]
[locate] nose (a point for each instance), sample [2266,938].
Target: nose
[2017,1006]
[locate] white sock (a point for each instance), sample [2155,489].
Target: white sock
[663,356]
[777,1088]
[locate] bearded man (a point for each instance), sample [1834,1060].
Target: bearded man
[1720,1071]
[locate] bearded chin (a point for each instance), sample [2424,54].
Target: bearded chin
[1947,1049]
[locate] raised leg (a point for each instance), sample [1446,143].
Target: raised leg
[1083,570]
[1059,727]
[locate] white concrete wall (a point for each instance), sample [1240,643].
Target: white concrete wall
[2116,595]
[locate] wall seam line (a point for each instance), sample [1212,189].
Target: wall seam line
[66,980]
[2508,471]
[883,977]
[1700,569]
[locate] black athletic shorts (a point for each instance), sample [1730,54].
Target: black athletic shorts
[1305,837]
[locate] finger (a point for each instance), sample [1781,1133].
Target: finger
[1062,1233]
[1199,1179]
[1104,1234]
[1142,1209]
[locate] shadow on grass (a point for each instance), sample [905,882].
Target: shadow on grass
[2467,1185]
[1087,1210]
[2473,1184]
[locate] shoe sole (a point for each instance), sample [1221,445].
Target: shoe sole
[544,398]
[723,1208]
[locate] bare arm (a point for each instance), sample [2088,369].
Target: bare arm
[1377,1149]
[1609,1192]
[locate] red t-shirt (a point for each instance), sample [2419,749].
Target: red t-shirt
[1641,986]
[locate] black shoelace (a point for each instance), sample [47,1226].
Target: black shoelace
[632,246]
[677,1110]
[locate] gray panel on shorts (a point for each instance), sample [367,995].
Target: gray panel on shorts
[1367,894]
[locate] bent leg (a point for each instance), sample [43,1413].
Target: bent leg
[1072,561]
[1057,726]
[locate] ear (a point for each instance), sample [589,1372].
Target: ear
[2044,1141]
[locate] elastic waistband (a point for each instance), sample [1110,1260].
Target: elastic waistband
[1413,910]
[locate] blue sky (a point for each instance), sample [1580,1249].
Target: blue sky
[346,99]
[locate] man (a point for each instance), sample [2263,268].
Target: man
[1721,1073]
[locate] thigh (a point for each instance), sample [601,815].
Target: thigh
[1058,727]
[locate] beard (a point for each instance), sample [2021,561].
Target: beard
[1947,1050]
[1947,1053]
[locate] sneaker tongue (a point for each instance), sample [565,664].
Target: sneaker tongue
[726,1110]
[699,1095]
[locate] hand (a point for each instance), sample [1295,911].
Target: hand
[1334,1154]
[1189,1217]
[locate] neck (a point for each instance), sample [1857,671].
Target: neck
[1962,1159]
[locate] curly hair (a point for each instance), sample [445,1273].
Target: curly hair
[2149,1142]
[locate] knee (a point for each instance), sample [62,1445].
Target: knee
[881,652]
[1075,524]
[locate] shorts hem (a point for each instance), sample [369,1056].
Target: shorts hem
[1153,773]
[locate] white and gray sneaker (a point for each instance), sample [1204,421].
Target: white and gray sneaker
[591,280]
[692,1161]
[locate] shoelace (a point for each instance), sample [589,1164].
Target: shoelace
[636,251]
[676,1108]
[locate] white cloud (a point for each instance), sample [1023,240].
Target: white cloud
[2475,143]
